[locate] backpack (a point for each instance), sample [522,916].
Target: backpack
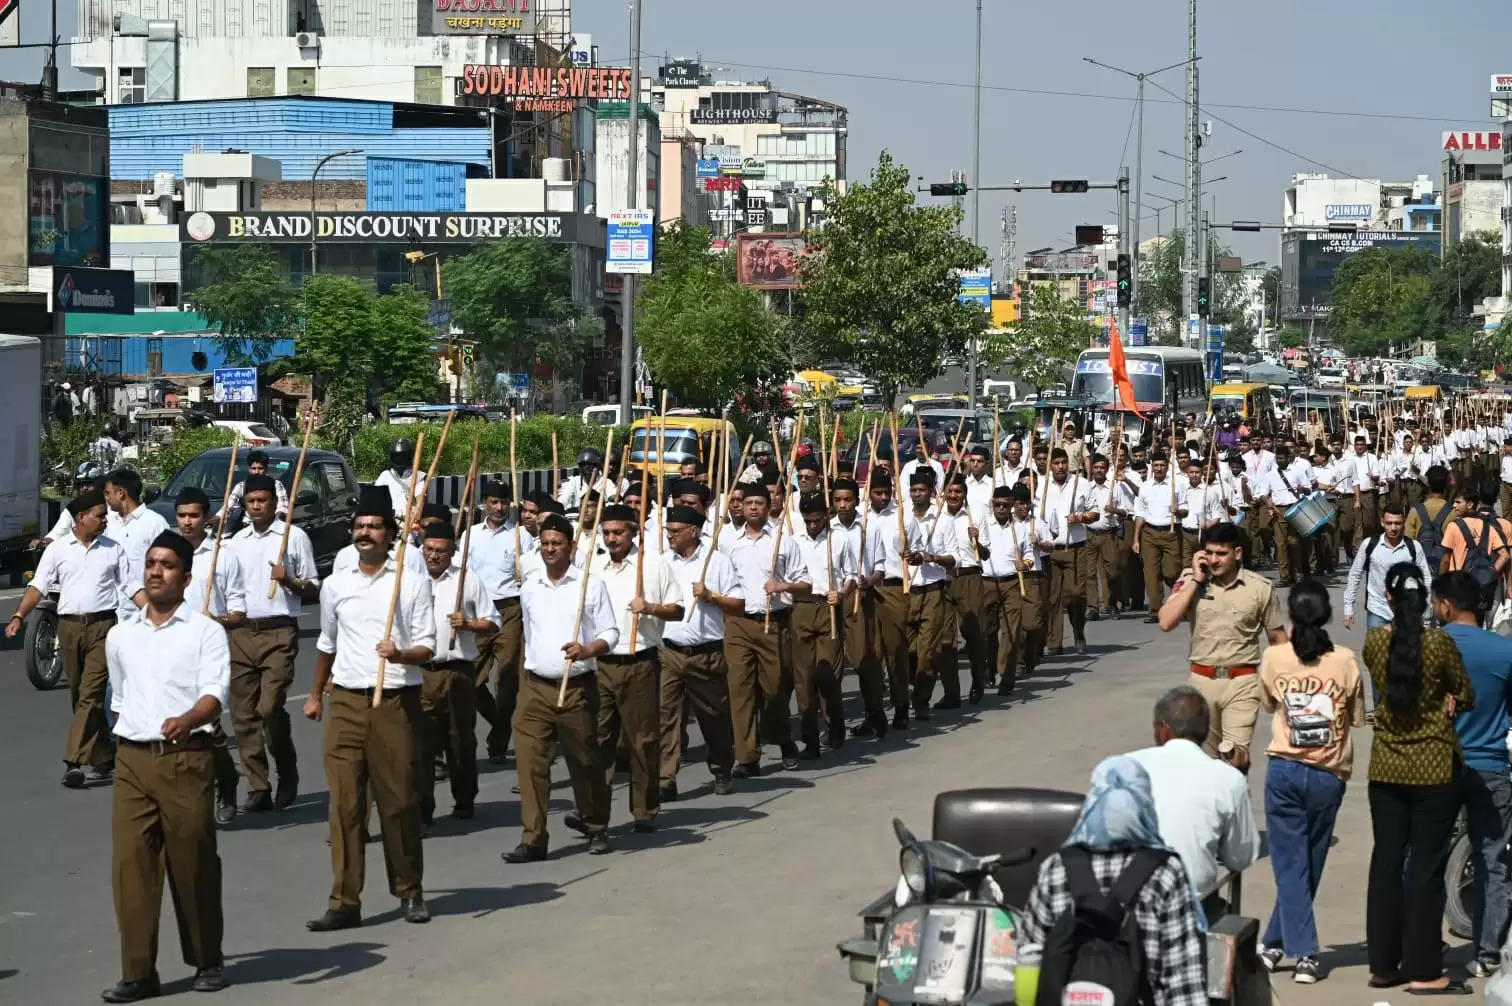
[1478,561]
[1095,951]
[1370,548]
[1431,534]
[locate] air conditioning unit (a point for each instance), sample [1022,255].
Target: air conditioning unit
[307,40]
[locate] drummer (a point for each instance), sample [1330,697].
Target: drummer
[1280,488]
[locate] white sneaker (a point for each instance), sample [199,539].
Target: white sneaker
[1271,957]
[1307,971]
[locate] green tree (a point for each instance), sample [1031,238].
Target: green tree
[1381,296]
[1270,292]
[703,335]
[1160,281]
[244,292]
[1239,336]
[1052,332]
[880,286]
[515,298]
[1290,338]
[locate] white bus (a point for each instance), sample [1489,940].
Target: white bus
[1161,375]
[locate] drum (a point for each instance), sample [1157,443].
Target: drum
[1309,514]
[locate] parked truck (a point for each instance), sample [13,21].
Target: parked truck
[20,450]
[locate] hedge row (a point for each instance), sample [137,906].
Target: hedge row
[532,447]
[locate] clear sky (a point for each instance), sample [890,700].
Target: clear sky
[1403,71]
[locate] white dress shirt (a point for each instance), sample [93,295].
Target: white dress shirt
[476,604]
[1111,493]
[135,532]
[1506,468]
[233,502]
[936,536]
[1282,491]
[1203,504]
[1363,470]
[398,487]
[353,609]
[979,492]
[88,578]
[347,560]
[752,558]
[493,555]
[1203,806]
[1382,558]
[909,467]
[575,490]
[817,559]
[1010,542]
[1154,503]
[1258,462]
[1073,496]
[965,519]
[549,610]
[703,621]
[871,555]
[230,593]
[258,553]
[159,672]
[658,586]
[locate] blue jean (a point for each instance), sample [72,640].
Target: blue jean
[1301,803]
[1374,622]
[1488,815]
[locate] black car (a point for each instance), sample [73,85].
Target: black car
[322,507]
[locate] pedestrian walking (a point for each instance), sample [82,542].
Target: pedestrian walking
[1155,540]
[498,559]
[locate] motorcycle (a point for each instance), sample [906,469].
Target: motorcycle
[949,939]
[44,659]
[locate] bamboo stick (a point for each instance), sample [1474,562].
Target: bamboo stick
[409,518]
[898,505]
[661,477]
[577,624]
[514,491]
[468,492]
[865,503]
[829,548]
[283,545]
[220,528]
[766,624]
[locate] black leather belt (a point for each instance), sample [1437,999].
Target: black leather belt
[925,588]
[194,742]
[1157,527]
[264,624]
[760,616]
[582,677]
[368,692]
[809,599]
[628,658]
[1071,545]
[88,617]
[448,665]
[696,649]
[968,571]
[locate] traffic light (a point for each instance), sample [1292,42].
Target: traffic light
[1202,296]
[467,355]
[1069,185]
[1125,282]
[948,188]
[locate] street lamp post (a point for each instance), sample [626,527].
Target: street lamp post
[313,174]
[976,202]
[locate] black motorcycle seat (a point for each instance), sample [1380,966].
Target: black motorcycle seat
[1023,825]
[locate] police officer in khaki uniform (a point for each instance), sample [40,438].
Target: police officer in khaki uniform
[1228,608]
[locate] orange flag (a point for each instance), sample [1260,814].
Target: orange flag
[1123,387]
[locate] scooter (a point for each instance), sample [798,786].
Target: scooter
[949,939]
[44,660]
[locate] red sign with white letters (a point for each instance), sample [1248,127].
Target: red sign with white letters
[730,184]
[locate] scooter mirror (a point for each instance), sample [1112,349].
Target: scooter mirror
[905,837]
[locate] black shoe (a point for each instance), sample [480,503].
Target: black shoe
[257,802]
[836,736]
[497,757]
[643,827]
[288,791]
[598,845]
[921,711]
[100,773]
[574,820]
[523,853]
[621,766]
[427,812]
[1093,614]
[810,752]
[900,719]
[209,979]
[130,992]
[1081,644]
[668,793]
[1109,613]
[463,812]
[873,728]
[333,920]
[954,703]
[1057,651]
[414,910]
[975,695]
[723,786]
[225,807]
[750,771]
[1151,619]
[790,756]
[73,778]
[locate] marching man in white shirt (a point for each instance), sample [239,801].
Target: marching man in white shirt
[133,525]
[817,650]
[966,602]
[862,649]
[1013,545]
[395,479]
[169,672]
[1281,488]
[498,552]
[1155,540]
[550,607]
[1103,570]
[90,571]
[1071,509]
[929,566]
[368,741]
[264,646]
[465,617]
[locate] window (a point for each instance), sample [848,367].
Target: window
[260,82]
[301,80]
[132,86]
[150,295]
[335,482]
[428,85]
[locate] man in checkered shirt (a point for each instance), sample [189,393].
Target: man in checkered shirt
[1117,820]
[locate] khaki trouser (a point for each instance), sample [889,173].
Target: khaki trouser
[163,820]
[1288,546]
[538,724]
[1233,705]
[1013,620]
[629,717]
[1161,556]
[861,650]
[816,668]
[374,751]
[1133,570]
[892,642]
[927,646]
[1189,542]
[448,701]
[1067,596]
[1506,499]
[262,669]
[83,649]
[1414,492]
[701,679]
[1102,568]
[965,608]
[505,652]
[761,681]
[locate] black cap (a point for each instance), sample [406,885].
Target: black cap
[374,501]
[439,530]
[498,490]
[880,479]
[845,485]
[922,477]
[190,495]
[257,457]
[812,503]
[1003,493]
[1020,493]
[685,515]
[977,451]
[550,506]
[556,522]
[955,479]
[177,544]
[617,512]
[86,501]
[754,490]
[436,511]
[262,484]
[808,463]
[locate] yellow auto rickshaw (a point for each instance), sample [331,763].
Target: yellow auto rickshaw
[1251,401]
[662,445]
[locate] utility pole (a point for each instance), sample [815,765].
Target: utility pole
[1193,172]
[976,202]
[1123,243]
[627,328]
